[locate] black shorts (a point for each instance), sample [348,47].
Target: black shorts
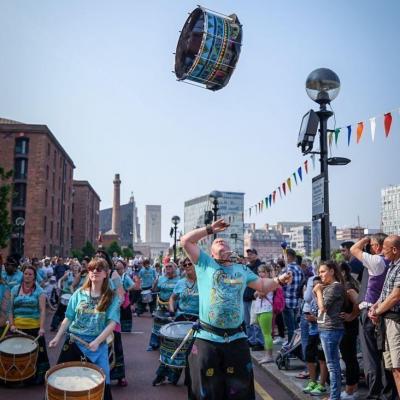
[314,351]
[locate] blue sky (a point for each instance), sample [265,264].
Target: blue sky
[98,73]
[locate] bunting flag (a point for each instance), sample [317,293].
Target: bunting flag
[360,128]
[289,184]
[372,122]
[306,166]
[295,177]
[337,131]
[266,202]
[280,192]
[270,200]
[330,139]
[274,195]
[250,212]
[348,134]
[284,188]
[300,172]
[387,123]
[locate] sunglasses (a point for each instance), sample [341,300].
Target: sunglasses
[91,268]
[187,264]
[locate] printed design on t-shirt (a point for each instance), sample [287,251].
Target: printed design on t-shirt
[89,320]
[226,295]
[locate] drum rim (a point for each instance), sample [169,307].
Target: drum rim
[27,337]
[74,364]
[174,323]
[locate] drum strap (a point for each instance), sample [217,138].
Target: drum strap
[221,331]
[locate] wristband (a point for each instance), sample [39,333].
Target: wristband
[209,230]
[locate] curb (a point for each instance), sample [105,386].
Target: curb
[281,379]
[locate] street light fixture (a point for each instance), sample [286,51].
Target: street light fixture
[175,220]
[323,86]
[20,222]
[214,196]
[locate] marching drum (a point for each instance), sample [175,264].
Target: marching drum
[160,319]
[18,355]
[75,380]
[65,298]
[208,48]
[147,296]
[171,336]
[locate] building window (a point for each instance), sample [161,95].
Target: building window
[45,198]
[54,180]
[44,250]
[22,146]
[47,172]
[20,168]
[51,230]
[44,224]
[52,206]
[55,159]
[19,195]
[48,149]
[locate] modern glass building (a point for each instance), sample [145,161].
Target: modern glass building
[390,210]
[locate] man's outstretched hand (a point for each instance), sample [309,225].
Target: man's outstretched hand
[219,226]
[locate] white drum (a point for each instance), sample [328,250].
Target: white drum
[65,298]
[147,296]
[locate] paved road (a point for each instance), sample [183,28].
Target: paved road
[140,367]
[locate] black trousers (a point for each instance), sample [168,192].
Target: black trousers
[348,349]
[280,324]
[379,381]
[221,371]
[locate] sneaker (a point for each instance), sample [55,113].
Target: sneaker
[150,348]
[158,380]
[347,396]
[310,386]
[319,390]
[278,340]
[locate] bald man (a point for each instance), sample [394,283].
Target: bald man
[388,307]
[219,362]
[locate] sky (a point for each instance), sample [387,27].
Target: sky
[99,75]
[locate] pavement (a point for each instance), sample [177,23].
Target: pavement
[287,378]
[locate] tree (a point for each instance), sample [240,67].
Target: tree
[88,250]
[76,253]
[5,194]
[113,248]
[127,252]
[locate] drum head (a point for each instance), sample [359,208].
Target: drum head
[176,330]
[75,378]
[18,345]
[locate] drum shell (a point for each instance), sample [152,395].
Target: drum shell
[146,296]
[25,363]
[64,299]
[53,393]
[160,319]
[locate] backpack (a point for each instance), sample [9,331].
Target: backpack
[278,303]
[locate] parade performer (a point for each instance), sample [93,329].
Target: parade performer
[184,305]
[91,316]
[165,285]
[127,285]
[147,275]
[220,362]
[5,297]
[28,314]
[12,276]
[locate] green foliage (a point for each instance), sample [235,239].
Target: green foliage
[114,248]
[76,253]
[5,192]
[88,250]
[127,252]
[337,256]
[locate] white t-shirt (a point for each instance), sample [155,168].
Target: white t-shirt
[374,263]
[264,304]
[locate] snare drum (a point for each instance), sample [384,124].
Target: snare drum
[208,48]
[147,296]
[161,318]
[171,336]
[18,355]
[75,380]
[65,298]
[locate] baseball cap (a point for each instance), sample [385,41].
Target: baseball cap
[254,251]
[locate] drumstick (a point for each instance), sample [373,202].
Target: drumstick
[78,339]
[5,330]
[20,332]
[182,343]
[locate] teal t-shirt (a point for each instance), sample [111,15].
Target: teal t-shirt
[85,319]
[26,308]
[12,280]
[166,286]
[188,297]
[127,282]
[221,295]
[147,276]
[4,304]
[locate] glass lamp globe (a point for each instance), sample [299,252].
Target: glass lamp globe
[175,220]
[322,85]
[215,195]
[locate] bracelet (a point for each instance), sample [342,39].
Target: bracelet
[209,230]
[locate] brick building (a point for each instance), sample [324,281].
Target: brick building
[42,189]
[85,215]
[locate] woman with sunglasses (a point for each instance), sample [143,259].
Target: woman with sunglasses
[185,300]
[91,316]
[28,314]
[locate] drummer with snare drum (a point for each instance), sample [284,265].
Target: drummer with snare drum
[91,316]
[147,275]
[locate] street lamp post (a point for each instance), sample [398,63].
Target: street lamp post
[214,196]
[175,220]
[323,86]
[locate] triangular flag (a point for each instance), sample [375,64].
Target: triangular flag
[360,128]
[274,195]
[289,184]
[295,177]
[337,131]
[330,139]
[300,172]
[348,134]
[306,166]
[280,192]
[313,160]
[270,200]
[372,121]
[266,202]
[284,188]
[250,212]
[387,123]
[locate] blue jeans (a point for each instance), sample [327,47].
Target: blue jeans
[254,334]
[330,341]
[289,318]
[304,334]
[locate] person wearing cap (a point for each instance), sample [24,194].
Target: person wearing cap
[255,336]
[219,361]
[11,275]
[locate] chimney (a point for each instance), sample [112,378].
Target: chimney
[116,216]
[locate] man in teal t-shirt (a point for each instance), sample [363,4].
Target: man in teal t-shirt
[219,362]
